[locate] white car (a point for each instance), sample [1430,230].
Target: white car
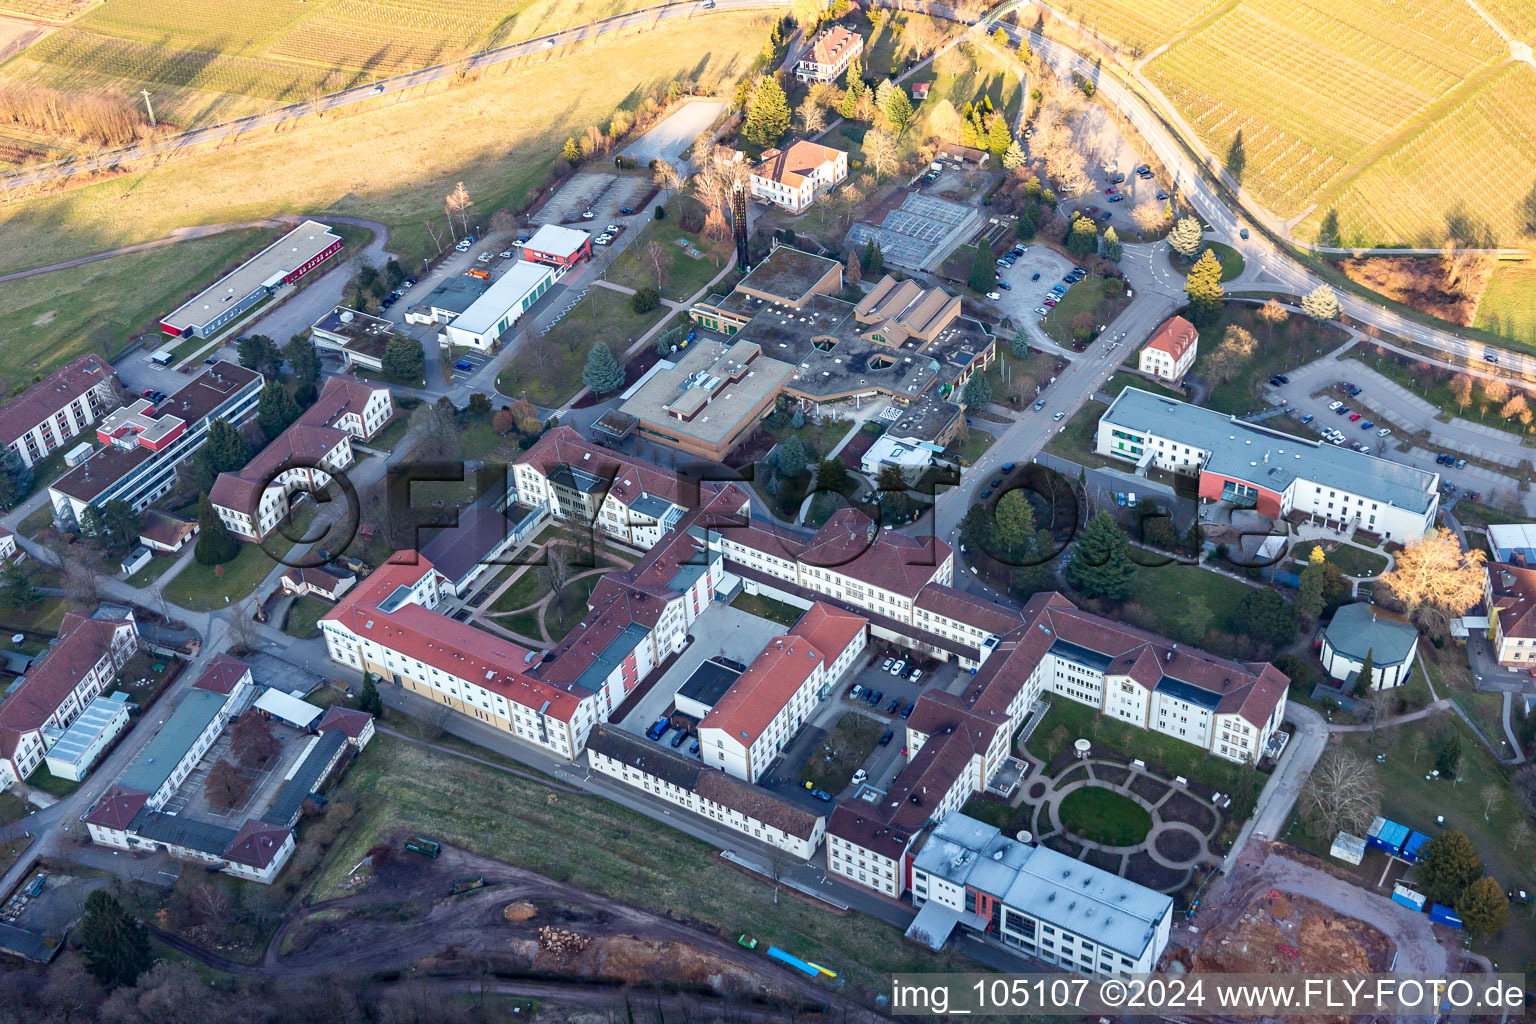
[1057,416]
[886,665]
[917,674]
[1384,432]
[506,254]
[612,229]
[462,247]
[1334,405]
[1042,311]
[859,777]
[486,257]
[994,296]
[899,667]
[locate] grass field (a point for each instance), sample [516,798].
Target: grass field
[483,134]
[1352,561]
[99,307]
[1138,26]
[199,587]
[1093,296]
[304,617]
[1472,163]
[1104,816]
[57,10]
[206,60]
[850,742]
[1318,88]
[781,612]
[1297,341]
[604,315]
[684,274]
[592,843]
[1508,305]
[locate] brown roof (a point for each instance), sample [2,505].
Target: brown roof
[301,445]
[53,677]
[257,843]
[829,629]
[761,692]
[342,394]
[630,478]
[793,164]
[222,675]
[349,720]
[51,394]
[686,773]
[968,608]
[316,578]
[1175,336]
[164,528]
[117,807]
[832,43]
[433,638]
[1513,588]
[853,544]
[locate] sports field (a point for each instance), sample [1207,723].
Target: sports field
[1319,89]
[1508,306]
[1472,166]
[1137,26]
[393,162]
[206,60]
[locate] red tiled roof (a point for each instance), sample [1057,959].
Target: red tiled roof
[832,43]
[792,165]
[432,638]
[256,844]
[630,477]
[830,630]
[341,394]
[301,445]
[853,544]
[51,394]
[222,675]
[117,807]
[53,677]
[1175,337]
[761,692]
[349,720]
[164,528]
[1513,588]
[960,606]
[315,578]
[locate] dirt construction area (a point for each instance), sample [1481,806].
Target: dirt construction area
[1279,933]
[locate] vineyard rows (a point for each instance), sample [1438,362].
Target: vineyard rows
[57,10]
[220,25]
[1517,17]
[1139,27]
[1477,162]
[1312,85]
[386,36]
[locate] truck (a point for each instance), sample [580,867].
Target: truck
[425,847]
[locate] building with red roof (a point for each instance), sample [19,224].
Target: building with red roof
[828,55]
[62,405]
[757,717]
[1171,350]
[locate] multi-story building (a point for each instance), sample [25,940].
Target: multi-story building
[84,660]
[686,783]
[754,720]
[143,443]
[1509,594]
[828,55]
[62,405]
[303,458]
[283,262]
[1171,350]
[1252,466]
[790,178]
[1047,905]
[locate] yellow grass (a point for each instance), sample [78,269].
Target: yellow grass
[1314,84]
[393,162]
[1466,172]
[1138,26]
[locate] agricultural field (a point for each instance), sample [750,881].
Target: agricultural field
[1137,26]
[1403,196]
[1517,17]
[1508,305]
[98,307]
[206,60]
[1296,94]
[480,133]
[54,10]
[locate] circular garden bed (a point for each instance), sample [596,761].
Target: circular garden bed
[1103,816]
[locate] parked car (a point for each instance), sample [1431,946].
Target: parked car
[897,668]
[1034,277]
[1355,391]
[886,739]
[1308,418]
[1335,404]
[1367,425]
[1461,463]
[463,364]
[917,674]
[693,748]
[856,692]
[859,777]
[906,712]
[821,794]
[986,494]
[1354,417]
[885,666]
[895,703]
[994,296]
[147,393]
[677,740]
[1042,311]
[1057,416]
[1005,286]
[1116,198]
[658,729]
[1161,195]
[1008,467]
[626,211]
[1040,405]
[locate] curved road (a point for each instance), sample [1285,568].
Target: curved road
[642,18]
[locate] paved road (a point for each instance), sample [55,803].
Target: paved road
[639,19]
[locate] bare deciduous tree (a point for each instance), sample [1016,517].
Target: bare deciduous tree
[666,177]
[1343,793]
[659,256]
[458,202]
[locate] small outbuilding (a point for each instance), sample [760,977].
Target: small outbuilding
[1355,632]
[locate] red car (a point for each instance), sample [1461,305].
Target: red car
[1111,191]
[1092,211]
[1353,417]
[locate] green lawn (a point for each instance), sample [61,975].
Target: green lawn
[391,435]
[1352,561]
[552,377]
[1022,375]
[831,765]
[54,317]
[1297,341]
[1121,379]
[44,617]
[523,623]
[768,608]
[151,572]
[1508,306]
[528,589]
[606,849]
[304,617]
[1407,796]
[684,274]
[1101,297]
[1163,593]
[199,587]
[1232,262]
[972,448]
[560,617]
[51,784]
[1075,439]
[1068,721]
[36,521]
[1104,816]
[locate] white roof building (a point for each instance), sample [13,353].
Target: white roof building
[507,299]
[908,454]
[1511,539]
[300,714]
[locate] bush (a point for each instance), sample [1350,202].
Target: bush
[645,300]
[661,213]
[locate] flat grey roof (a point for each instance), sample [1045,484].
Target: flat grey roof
[160,756]
[1268,458]
[788,273]
[719,417]
[455,294]
[279,259]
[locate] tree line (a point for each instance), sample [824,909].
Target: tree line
[107,118]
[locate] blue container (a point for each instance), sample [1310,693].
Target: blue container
[1442,914]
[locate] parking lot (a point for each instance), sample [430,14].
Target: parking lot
[1024,292]
[591,192]
[470,361]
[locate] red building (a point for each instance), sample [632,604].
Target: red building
[558,246]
